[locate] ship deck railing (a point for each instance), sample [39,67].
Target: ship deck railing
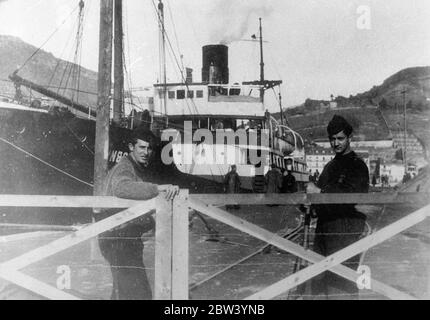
[171,280]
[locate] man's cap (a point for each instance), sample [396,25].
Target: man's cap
[338,124]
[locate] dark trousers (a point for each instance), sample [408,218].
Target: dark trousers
[123,249]
[330,237]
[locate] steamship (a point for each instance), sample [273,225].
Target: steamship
[225,110]
[51,150]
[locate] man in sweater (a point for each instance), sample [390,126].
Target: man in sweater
[339,225]
[122,247]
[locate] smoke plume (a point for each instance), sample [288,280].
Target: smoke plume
[231,20]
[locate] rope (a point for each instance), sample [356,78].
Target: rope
[78,52]
[172,52]
[49,38]
[46,163]
[128,75]
[58,63]
[174,30]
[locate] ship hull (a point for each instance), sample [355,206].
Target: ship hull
[52,153]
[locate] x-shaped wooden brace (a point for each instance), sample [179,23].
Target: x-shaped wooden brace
[10,270]
[321,263]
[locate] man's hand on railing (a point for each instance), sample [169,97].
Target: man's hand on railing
[169,191]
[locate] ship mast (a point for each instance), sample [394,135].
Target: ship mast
[118,102]
[405,163]
[103,97]
[72,69]
[261,64]
[280,106]
[163,72]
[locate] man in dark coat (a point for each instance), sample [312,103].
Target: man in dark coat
[374,180]
[316,176]
[339,225]
[122,247]
[311,176]
[289,184]
[273,180]
[232,183]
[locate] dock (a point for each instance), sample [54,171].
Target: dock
[231,264]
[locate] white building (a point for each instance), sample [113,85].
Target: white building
[362,144]
[394,172]
[317,158]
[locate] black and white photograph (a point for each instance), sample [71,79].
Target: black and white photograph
[213,155]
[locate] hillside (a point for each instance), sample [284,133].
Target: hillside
[414,81]
[43,69]
[375,114]
[367,122]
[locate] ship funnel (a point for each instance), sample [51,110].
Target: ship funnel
[215,64]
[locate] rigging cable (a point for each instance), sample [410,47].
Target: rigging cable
[126,71]
[79,47]
[274,63]
[67,69]
[58,61]
[172,52]
[77,137]
[49,38]
[46,163]
[73,69]
[176,38]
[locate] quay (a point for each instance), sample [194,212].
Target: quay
[234,263]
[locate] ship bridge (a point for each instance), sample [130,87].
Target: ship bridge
[207,100]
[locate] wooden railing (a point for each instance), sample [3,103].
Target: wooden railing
[171,236]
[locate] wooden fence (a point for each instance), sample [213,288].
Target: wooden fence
[171,237]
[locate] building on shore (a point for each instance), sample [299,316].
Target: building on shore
[317,157]
[388,143]
[394,171]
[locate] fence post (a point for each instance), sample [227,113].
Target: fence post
[180,245]
[163,250]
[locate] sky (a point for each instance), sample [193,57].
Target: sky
[317,47]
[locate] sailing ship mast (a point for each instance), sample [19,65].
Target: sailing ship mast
[73,70]
[103,97]
[263,83]
[163,72]
[261,63]
[118,100]
[405,163]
